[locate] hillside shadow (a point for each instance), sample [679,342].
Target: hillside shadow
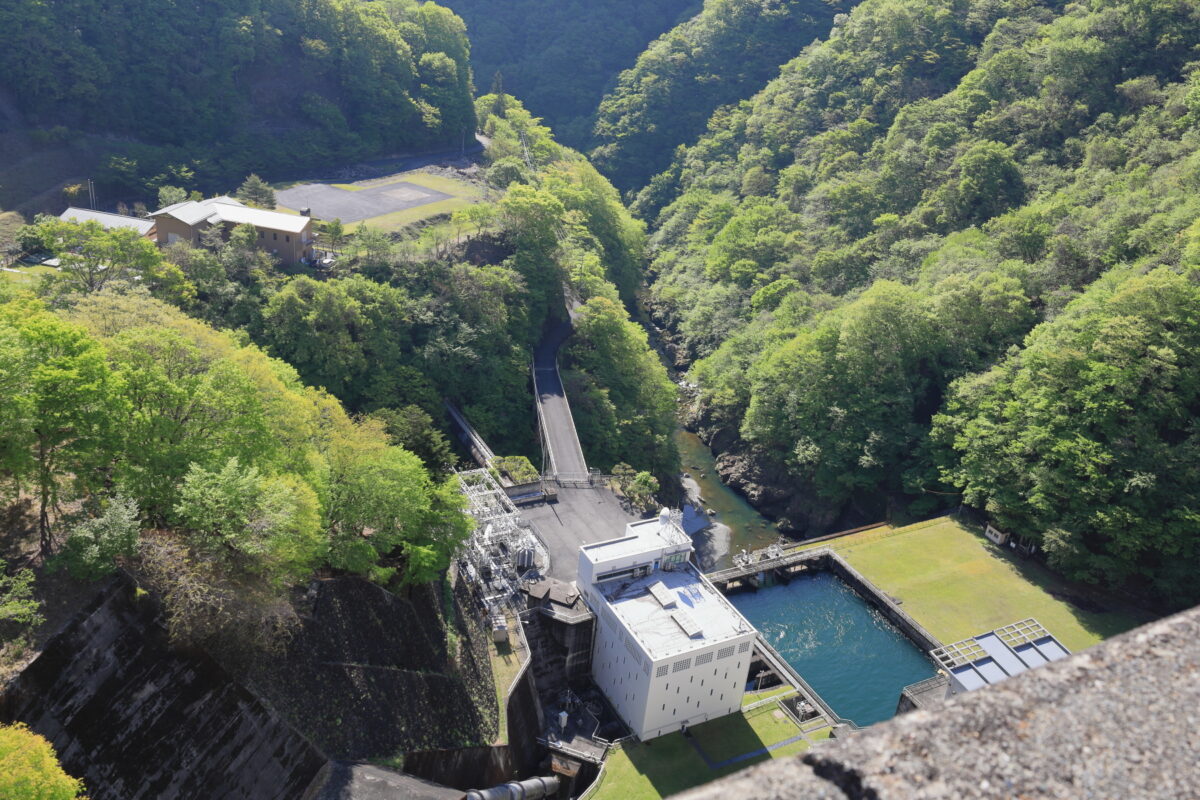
[1096,611]
[676,762]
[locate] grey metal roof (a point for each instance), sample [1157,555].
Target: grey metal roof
[227,209]
[997,655]
[107,220]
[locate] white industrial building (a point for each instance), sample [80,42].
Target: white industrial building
[669,649]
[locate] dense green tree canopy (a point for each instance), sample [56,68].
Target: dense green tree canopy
[560,56]
[250,479]
[215,90]
[881,227]
[1086,440]
[29,768]
[720,56]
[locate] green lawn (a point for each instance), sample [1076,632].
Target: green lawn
[506,663]
[670,764]
[956,584]
[751,698]
[402,219]
[26,275]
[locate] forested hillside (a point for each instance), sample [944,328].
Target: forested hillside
[722,55]
[560,57]
[402,324]
[952,249]
[148,439]
[201,93]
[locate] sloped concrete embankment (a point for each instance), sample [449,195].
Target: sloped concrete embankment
[374,675]
[134,719]
[369,675]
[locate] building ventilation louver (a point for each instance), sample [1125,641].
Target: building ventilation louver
[685,621]
[662,594]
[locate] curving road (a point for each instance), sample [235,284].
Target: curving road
[554,412]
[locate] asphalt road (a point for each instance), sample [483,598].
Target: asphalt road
[566,455]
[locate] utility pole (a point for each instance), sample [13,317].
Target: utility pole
[91,194]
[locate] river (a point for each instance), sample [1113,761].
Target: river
[734,526]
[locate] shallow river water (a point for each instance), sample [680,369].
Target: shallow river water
[735,525]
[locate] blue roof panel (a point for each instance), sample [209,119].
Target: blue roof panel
[1030,655]
[990,670]
[1050,648]
[969,678]
[998,650]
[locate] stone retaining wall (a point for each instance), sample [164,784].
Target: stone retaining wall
[135,719]
[886,606]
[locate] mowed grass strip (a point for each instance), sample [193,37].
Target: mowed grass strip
[506,663]
[750,698]
[670,764]
[410,216]
[957,584]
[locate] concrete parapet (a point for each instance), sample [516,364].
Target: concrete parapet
[1121,719]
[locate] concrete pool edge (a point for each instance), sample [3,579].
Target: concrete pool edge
[811,563]
[826,559]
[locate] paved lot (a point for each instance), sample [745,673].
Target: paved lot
[330,202]
[581,516]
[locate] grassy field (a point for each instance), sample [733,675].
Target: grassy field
[956,584]
[506,663]
[26,275]
[670,764]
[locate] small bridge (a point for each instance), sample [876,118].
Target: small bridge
[557,426]
[758,568]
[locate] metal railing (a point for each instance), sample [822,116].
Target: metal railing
[786,671]
[786,559]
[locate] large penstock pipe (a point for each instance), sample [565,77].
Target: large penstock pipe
[531,789]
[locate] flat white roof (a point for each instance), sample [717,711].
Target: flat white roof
[227,209]
[700,618]
[643,536]
[260,218]
[662,594]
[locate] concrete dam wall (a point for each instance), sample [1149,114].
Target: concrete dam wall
[135,719]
